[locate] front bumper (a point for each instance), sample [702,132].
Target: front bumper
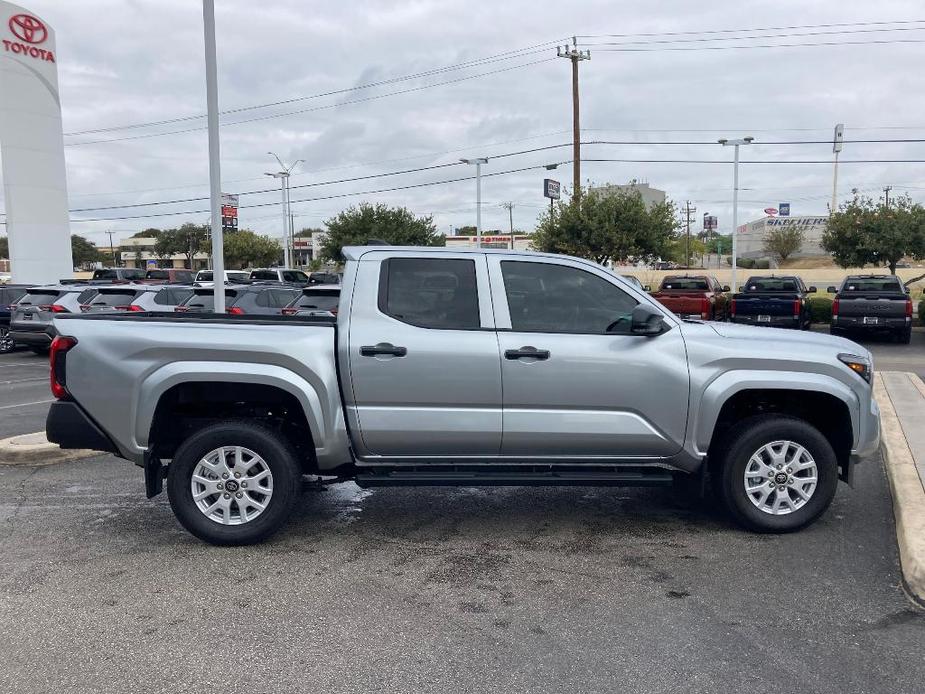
[70,427]
[868,442]
[772,322]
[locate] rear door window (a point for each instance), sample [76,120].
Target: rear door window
[175,297]
[430,293]
[119,298]
[321,300]
[157,275]
[264,275]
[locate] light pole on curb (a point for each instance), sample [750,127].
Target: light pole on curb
[735,197]
[478,196]
[283,174]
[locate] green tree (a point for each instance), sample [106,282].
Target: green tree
[783,241]
[83,251]
[149,233]
[308,232]
[394,225]
[863,231]
[720,244]
[4,247]
[677,249]
[244,248]
[188,240]
[608,225]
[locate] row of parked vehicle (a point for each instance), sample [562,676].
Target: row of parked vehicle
[26,311]
[862,303]
[121,275]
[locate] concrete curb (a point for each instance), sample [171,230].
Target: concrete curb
[908,494]
[34,449]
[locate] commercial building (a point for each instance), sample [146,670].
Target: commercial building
[650,196]
[139,253]
[752,235]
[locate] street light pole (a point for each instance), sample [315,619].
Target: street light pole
[215,177]
[284,174]
[735,198]
[478,196]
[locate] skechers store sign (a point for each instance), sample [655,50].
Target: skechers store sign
[796,221]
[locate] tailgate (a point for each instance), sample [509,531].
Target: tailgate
[879,306]
[764,305]
[685,304]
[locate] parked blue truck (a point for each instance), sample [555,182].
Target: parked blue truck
[780,302]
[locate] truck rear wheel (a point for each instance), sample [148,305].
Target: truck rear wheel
[776,473]
[233,483]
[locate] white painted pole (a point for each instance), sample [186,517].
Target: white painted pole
[835,187]
[285,213]
[735,217]
[215,176]
[478,204]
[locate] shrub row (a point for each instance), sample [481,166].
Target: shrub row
[820,308]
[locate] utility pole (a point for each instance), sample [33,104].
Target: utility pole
[509,206]
[576,56]
[886,192]
[837,144]
[688,211]
[112,249]
[477,162]
[283,174]
[735,196]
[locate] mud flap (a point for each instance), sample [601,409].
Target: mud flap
[155,472]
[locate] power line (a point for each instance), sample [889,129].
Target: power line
[771,45]
[733,31]
[315,108]
[507,55]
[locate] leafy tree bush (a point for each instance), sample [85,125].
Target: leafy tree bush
[762,264]
[783,241]
[820,308]
[605,225]
[394,225]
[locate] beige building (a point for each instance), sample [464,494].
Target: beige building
[139,253]
[650,196]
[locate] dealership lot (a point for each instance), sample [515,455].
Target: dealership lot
[443,590]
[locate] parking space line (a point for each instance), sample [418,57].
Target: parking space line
[25,404]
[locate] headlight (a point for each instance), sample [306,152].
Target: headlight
[860,365]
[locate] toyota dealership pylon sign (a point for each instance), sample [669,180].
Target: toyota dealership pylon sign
[32,149]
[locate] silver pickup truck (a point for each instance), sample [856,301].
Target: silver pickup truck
[450,367]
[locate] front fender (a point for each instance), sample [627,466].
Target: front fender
[717,393]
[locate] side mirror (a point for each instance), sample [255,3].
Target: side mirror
[726,288]
[647,288]
[646,320]
[832,290]
[811,290]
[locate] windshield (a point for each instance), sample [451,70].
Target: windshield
[157,275]
[204,276]
[771,284]
[887,284]
[687,283]
[205,300]
[264,275]
[114,298]
[40,298]
[324,301]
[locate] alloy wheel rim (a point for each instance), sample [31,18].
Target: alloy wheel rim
[780,477]
[232,485]
[6,342]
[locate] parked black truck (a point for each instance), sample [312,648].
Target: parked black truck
[780,302]
[872,303]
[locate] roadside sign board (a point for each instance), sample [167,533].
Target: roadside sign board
[551,188]
[770,211]
[229,211]
[784,209]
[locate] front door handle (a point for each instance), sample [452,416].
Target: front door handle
[383,349]
[527,352]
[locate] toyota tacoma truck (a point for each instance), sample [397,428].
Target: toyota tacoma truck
[872,303]
[463,367]
[694,296]
[780,302]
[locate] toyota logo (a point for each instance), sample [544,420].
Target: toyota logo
[28,28]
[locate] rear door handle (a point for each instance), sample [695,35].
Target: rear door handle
[527,352]
[383,349]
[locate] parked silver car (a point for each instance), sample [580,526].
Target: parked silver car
[30,322]
[137,298]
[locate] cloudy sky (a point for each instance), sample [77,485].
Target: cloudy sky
[664,72]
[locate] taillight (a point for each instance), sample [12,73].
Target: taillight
[705,308]
[334,310]
[235,311]
[835,308]
[58,361]
[797,307]
[54,308]
[135,308]
[180,309]
[290,311]
[908,308]
[732,307]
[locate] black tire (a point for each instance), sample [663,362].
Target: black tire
[733,456]
[275,451]
[6,343]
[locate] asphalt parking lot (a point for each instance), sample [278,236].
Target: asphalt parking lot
[416,589]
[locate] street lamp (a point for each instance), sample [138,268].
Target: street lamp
[283,175]
[735,197]
[478,196]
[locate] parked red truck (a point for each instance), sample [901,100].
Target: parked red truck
[694,296]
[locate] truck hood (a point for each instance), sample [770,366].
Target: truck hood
[769,337]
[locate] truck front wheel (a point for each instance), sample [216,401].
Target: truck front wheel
[233,483]
[775,473]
